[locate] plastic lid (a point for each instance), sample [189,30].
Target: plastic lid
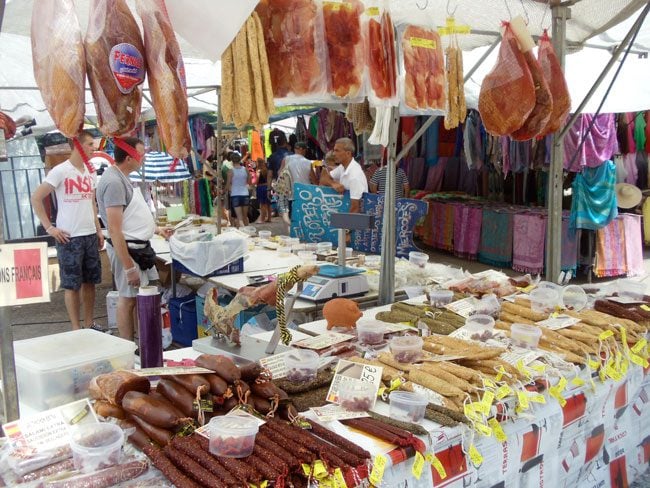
[525,329]
[69,349]
[234,425]
[304,356]
[407,341]
[574,298]
[96,437]
[408,397]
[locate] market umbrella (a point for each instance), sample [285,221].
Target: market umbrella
[158,166]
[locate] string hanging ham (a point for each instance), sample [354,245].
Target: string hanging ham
[166,77]
[115,64]
[60,78]
[381,56]
[557,85]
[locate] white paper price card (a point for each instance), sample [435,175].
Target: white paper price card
[347,371]
[558,322]
[464,307]
[332,412]
[324,340]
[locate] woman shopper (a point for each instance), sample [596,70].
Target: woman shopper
[263,192]
[238,180]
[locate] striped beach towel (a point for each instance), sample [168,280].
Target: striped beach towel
[467,230]
[610,250]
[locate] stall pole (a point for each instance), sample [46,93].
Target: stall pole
[219,151]
[554,222]
[387,269]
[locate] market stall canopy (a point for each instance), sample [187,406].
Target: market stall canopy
[158,167]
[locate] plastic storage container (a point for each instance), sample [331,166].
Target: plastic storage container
[488,305]
[56,369]
[356,395]
[323,247]
[301,365]
[524,335]
[372,261]
[249,230]
[284,251]
[406,349]
[348,252]
[479,323]
[406,406]
[631,289]
[232,436]
[574,298]
[370,331]
[264,234]
[543,300]
[96,446]
[440,298]
[307,257]
[418,259]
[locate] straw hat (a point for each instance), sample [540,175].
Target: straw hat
[627,195]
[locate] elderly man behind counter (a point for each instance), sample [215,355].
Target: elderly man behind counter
[130,225]
[348,175]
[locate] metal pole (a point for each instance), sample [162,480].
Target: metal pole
[554,222]
[617,52]
[218,149]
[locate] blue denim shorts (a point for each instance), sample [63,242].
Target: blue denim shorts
[79,262]
[239,201]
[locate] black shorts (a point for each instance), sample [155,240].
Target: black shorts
[79,262]
[239,201]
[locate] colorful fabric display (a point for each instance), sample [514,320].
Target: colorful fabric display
[610,250]
[529,234]
[467,230]
[594,197]
[496,238]
[633,244]
[442,226]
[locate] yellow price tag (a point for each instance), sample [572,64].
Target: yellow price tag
[537,398]
[593,364]
[378,467]
[625,364]
[485,403]
[503,392]
[499,434]
[613,374]
[489,383]
[437,465]
[560,399]
[500,373]
[561,385]
[638,360]
[418,464]
[475,456]
[523,400]
[605,335]
[421,42]
[372,11]
[306,468]
[645,307]
[577,381]
[639,346]
[320,471]
[540,368]
[264,484]
[339,479]
[482,429]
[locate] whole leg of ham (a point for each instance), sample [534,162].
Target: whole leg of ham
[115,64]
[59,63]
[507,95]
[554,76]
[166,77]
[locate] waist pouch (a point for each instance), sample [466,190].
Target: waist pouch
[145,256]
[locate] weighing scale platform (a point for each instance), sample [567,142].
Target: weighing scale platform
[335,281]
[251,349]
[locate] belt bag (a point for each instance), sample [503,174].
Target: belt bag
[144,256]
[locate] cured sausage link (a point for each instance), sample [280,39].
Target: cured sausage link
[191,468]
[338,440]
[166,467]
[206,460]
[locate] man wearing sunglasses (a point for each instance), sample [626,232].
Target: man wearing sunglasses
[130,225]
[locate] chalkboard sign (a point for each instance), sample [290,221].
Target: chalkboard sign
[311,211]
[407,211]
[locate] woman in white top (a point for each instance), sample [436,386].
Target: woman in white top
[237,185]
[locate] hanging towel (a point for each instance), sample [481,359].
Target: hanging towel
[570,240]
[633,244]
[529,233]
[467,230]
[600,142]
[594,197]
[442,226]
[610,250]
[496,238]
[435,175]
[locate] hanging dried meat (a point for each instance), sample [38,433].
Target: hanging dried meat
[507,95]
[166,77]
[115,64]
[59,63]
[456,106]
[295,47]
[557,85]
[424,69]
[381,58]
[342,20]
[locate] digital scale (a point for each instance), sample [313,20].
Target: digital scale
[338,280]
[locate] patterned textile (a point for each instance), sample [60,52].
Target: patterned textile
[496,238]
[528,238]
[610,250]
[442,226]
[646,221]
[570,240]
[600,144]
[467,230]
[633,244]
[594,197]
[435,175]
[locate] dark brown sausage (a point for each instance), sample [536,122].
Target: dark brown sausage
[193,469]
[217,385]
[190,381]
[106,409]
[266,389]
[222,365]
[106,477]
[159,435]
[166,467]
[229,404]
[152,410]
[250,372]
[177,395]
[262,405]
[138,437]
[241,389]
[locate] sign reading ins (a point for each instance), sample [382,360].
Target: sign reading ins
[23,274]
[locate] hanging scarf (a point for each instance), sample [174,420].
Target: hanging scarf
[600,142]
[594,197]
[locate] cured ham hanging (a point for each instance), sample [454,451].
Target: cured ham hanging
[344,46]
[115,64]
[424,69]
[554,76]
[59,63]
[166,77]
[381,57]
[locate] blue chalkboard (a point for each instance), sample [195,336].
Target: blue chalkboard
[311,211]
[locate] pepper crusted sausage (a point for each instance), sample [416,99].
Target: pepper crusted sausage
[177,395]
[206,460]
[192,468]
[217,385]
[166,467]
[67,465]
[337,440]
[160,436]
[222,365]
[106,477]
[152,410]
[191,381]
[269,444]
[236,467]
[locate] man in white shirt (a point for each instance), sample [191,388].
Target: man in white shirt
[77,232]
[348,175]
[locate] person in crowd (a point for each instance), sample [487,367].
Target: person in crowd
[262,192]
[378,182]
[237,184]
[327,165]
[277,156]
[348,175]
[130,225]
[299,168]
[77,231]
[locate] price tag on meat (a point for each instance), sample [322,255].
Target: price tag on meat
[324,340]
[559,322]
[361,374]
[464,307]
[332,412]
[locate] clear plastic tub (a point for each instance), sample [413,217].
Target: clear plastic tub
[323,247]
[96,446]
[249,230]
[440,298]
[370,331]
[372,261]
[348,252]
[543,300]
[406,349]
[311,247]
[301,365]
[264,234]
[283,240]
[356,395]
[631,289]
[488,305]
[418,259]
[297,247]
[406,406]
[232,436]
[479,323]
[524,335]
[284,251]
[308,257]
[574,298]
